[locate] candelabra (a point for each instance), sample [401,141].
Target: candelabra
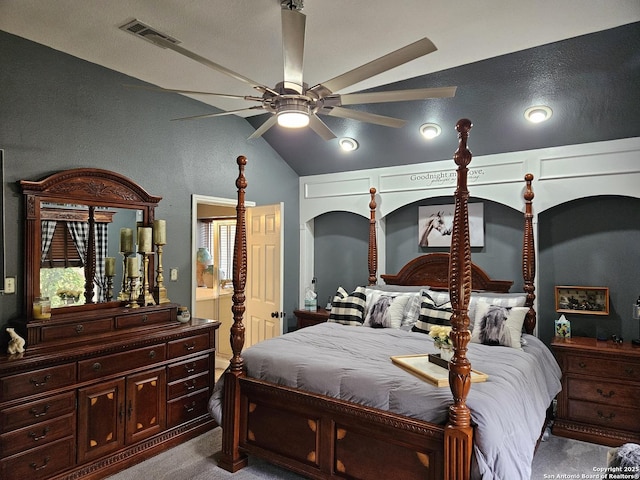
[123,296]
[159,291]
[133,281]
[145,298]
[109,295]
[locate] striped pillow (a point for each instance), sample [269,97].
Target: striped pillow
[348,309]
[432,314]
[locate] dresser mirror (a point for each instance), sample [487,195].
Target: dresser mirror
[73,233]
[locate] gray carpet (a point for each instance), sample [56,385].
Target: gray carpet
[557,457]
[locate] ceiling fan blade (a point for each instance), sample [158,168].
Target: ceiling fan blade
[397,95]
[367,117]
[270,122]
[382,64]
[321,128]
[293,27]
[221,114]
[206,62]
[194,92]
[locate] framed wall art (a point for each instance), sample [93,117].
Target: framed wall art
[436,221]
[582,300]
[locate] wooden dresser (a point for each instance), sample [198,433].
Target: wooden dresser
[98,391]
[306,318]
[600,398]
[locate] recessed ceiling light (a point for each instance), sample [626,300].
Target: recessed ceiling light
[348,144]
[430,130]
[538,113]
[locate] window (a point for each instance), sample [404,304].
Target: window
[218,236]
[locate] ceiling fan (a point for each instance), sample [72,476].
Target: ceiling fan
[292,102]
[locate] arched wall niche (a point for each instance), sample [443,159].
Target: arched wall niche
[561,174]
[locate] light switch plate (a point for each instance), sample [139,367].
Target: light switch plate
[10,285]
[173,274]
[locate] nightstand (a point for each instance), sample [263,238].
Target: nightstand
[600,395]
[307,318]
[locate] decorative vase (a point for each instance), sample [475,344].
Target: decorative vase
[183,315]
[446,353]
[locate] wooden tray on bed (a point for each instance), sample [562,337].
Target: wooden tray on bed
[427,367]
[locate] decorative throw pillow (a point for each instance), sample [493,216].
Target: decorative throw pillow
[498,325]
[386,311]
[348,309]
[431,314]
[411,312]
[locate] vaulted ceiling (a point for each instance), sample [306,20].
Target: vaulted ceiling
[580,57]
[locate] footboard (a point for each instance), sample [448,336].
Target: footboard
[322,437]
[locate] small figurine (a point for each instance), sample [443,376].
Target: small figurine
[16,344]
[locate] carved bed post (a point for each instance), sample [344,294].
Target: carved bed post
[373,246]
[90,258]
[231,459]
[528,256]
[458,432]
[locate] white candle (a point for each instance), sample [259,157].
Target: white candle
[109,266]
[160,232]
[126,240]
[144,239]
[132,267]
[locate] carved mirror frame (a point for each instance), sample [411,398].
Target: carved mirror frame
[92,187]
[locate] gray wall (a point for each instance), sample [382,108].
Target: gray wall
[59,112]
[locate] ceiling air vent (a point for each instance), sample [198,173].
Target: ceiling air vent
[142,30]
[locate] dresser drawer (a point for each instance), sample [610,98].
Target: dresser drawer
[37,381]
[187,408]
[76,330]
[185,386]
[143,319]
[602,367]
[604,415]
[42,462]
[37,435]
[188,345]
[604,392]
[119,362]
[187,368]
[38,411]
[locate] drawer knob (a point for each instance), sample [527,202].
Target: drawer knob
[44,411]
[190,408]
[37,437]
[37,467]
[191,346]
[79,329]
[37,383]
[629,371]
[191,386]
[144,318]
[609,417]
[606,395]
[582,365]
[152,354]
[190,369]
[96,366]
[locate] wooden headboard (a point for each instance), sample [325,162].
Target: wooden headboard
[432,270]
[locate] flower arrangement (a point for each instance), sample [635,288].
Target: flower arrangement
[440,335]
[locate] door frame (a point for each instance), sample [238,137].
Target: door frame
[204,200]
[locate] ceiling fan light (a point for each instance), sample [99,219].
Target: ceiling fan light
[538,113]
[430,130]
[292,113]
[348,144]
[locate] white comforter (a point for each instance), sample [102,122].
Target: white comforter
[353,363]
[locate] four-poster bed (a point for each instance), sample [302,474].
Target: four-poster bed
[326,423]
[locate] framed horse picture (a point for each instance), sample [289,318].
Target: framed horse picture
[435,223]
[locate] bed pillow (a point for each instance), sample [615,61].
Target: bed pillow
[348,309]
[498,325]
[385,310]
[411,312]
[432,313]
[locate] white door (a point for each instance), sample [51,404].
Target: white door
[264,292]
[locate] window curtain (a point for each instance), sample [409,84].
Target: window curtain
[48,227]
